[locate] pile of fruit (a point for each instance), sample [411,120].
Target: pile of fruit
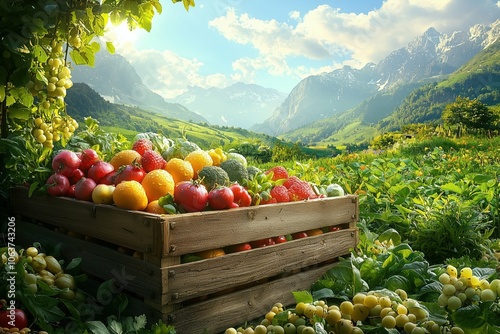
[382,308]
[379,309]
[182,178]
[40,279]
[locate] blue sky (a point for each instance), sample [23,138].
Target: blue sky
[277,43]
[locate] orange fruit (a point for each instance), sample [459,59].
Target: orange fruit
[199,159]
[158,183]
[154,207]
[130,195]
[211,253]
[315,231]
[125,157]
[181,170]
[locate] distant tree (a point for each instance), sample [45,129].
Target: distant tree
[469,114]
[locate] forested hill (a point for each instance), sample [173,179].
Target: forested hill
[479,78]
[82,101]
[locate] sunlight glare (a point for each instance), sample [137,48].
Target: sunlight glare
[121,36]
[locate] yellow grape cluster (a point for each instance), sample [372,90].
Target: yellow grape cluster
[465,288]
[46,268]
[49,86]
[374,308]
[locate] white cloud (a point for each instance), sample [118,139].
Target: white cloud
[294,15]
[169,74]
[327,33]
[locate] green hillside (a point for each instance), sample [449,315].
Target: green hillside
[353,126]
[84,102]
[477,79]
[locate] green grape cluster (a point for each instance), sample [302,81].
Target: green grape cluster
[391,310]
[49,85]
[465,288]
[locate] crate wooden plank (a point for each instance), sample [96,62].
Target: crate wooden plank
[195,232]
[131,229]
[135,275]
[216,315]
[200,278]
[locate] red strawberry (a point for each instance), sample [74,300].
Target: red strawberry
[300,191]
[291,180]
[142,145]
[152,160]
[280,193]
[279,172]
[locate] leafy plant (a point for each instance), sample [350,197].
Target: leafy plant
[448,230]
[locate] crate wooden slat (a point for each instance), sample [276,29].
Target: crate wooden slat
[245,284]
[216,315]
[171,235]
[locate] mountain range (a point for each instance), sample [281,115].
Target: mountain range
[241,105]
[319,105]
[430,57]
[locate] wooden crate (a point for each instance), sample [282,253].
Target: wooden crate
[210,294]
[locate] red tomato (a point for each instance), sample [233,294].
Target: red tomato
[280,239]
[241,247]
[191,196]
[99,170]
[241,195]
[13,317]
[57,185]
[334,228]
[220,198]
[130,173]
[262,243]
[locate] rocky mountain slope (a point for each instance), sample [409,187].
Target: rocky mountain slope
[429,57]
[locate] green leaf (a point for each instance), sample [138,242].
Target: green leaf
[45,307]
[469,317]
[482,178]
[302,296]
[323,294]
[74,263]
[398,282]
[110,47]
[78,58]
[114,326]
[452,187]
[40,53]
[97,327]
[19,111]
[390,234]
[2,93]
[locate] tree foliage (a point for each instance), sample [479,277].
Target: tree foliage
[469,114]
[39,42]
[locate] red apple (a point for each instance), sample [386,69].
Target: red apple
[77,175]
[108,179]
[299,235]
[89,157]
[84,188]
[57,185]
[99,170]
[71,191]
[65,163]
